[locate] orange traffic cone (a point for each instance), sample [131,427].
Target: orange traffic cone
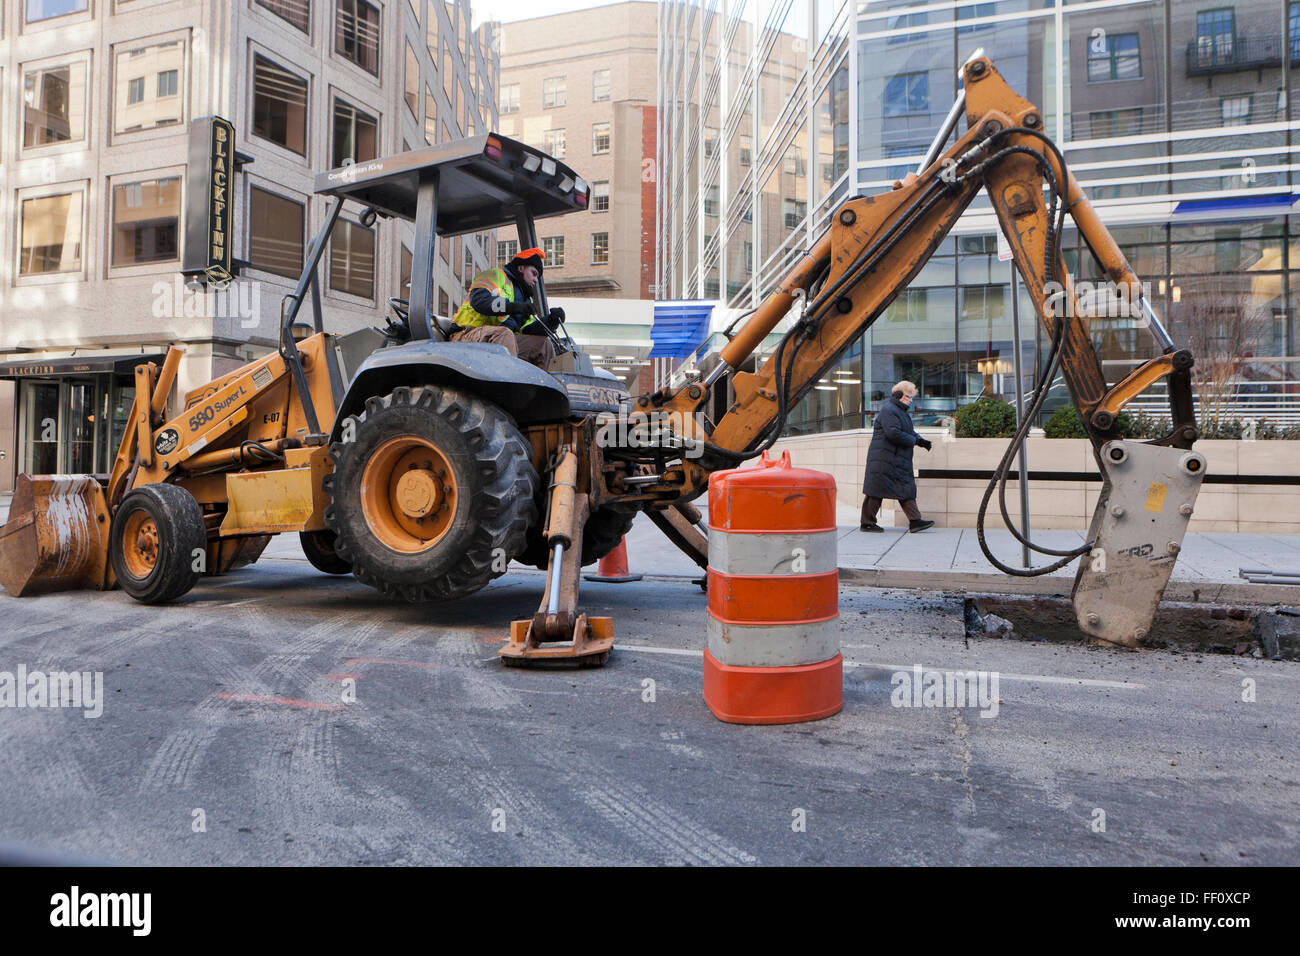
[612,568]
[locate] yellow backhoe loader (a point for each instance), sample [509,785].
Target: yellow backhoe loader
[432,463]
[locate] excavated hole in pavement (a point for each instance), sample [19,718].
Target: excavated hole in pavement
[1272,633]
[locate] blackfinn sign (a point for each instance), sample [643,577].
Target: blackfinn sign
[210,202]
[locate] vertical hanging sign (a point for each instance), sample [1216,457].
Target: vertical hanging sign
[209,201]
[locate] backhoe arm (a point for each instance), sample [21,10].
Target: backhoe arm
[874,247]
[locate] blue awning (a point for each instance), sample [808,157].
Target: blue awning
[680,326]
[1244,204]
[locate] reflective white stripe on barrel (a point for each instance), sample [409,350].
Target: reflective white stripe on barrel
[773,645]
[736,552]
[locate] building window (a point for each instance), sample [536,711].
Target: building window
[356,33]
[51,235]
[599,138]
[275,230]
[1116,56]
[1235,110]
[794,163]
[600,85]
[38,10]
[444,303]
[747,252]
[553,251]
[430,117]
[356,135]
[600,248]
[973,12]
[1216,31]
[506,250]
[553,142]
[710,141]
[510,98]
[297,12]
[553,94]
[795,211]
[146,217]
[352,260]
[711,202]
[412,93]
[404,272]
[746,149]
[1111,123]
[907,94]
[54,105]
[133,109]
[279,106]
[600,196]
[904,20]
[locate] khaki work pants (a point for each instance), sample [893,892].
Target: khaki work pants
[533,349]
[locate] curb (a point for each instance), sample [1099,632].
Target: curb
[1186,592]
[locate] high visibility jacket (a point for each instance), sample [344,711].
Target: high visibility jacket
[497,283]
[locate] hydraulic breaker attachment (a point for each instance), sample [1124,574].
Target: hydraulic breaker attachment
[56,538]
[1147,500]
[557,633]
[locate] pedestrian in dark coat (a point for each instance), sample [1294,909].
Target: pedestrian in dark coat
[889,461]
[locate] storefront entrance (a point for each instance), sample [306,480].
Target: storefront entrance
[71,423]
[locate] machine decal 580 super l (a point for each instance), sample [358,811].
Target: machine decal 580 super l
[424,465]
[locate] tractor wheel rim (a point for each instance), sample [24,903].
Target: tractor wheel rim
[140,544]
[408,494]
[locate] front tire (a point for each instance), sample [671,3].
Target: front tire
[155,541]
[319,548]
[433,495]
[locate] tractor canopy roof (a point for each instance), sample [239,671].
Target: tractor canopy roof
[480,183]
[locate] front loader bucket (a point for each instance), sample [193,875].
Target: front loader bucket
[56,538]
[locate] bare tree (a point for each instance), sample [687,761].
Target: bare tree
[1223,324]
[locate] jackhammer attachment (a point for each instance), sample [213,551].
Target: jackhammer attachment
[56,538]
[1137,531]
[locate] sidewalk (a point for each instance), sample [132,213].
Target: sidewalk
[950,559]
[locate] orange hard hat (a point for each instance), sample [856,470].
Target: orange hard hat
[528,257]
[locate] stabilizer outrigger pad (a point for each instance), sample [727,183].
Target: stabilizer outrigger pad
[593,638]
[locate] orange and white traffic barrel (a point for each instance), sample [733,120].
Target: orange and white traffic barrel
[773,654]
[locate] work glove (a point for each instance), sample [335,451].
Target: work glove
[519,308]
[925,443]
[554,318]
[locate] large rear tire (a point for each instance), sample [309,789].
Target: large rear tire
[432,495]
[155,542]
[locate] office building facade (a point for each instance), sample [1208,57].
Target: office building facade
[98,100]
[1176,117]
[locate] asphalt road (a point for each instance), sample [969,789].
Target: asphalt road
[230,702]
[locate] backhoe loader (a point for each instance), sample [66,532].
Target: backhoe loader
[430,465]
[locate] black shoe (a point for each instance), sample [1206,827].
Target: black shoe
[871,528]
[919,525]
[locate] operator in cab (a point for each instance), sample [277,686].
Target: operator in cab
[500,310]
